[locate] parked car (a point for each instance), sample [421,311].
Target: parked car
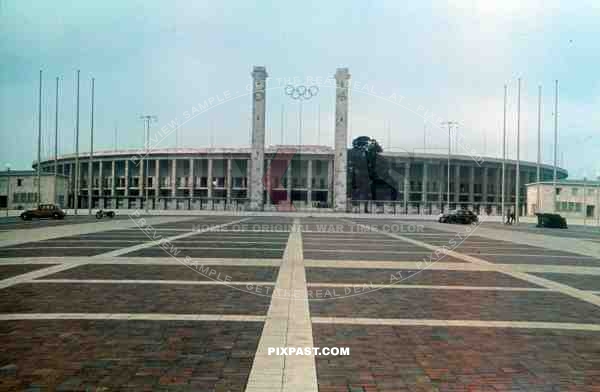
[44,211]
[459,216]
[551,220]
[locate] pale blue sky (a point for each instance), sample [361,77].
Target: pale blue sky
[450,58]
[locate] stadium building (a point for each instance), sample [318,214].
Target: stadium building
[218,178]
[260,177]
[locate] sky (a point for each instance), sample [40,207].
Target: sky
[413,65]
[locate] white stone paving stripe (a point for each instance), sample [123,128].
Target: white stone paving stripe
[288,324]
[536,280]
[457,323]
[153,281]
[130,316]
[122,251]
[37,274]
[425,286]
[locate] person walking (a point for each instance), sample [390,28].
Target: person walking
[508,216]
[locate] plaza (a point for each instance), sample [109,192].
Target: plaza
[195,303]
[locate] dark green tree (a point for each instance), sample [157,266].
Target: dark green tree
[362,163]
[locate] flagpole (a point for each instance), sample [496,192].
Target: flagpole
[91,159]
[504,150]
[539,147]
[518,168]
[554,176]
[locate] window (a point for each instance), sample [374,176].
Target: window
[19,182]
[574,191]
[558,191]
[590,191]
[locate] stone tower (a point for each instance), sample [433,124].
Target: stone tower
[342,79]
[256,191]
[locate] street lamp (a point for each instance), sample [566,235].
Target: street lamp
[7,186]
[449,124]
[147,120]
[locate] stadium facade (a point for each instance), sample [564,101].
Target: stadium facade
[219,178]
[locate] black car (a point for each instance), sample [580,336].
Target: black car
[44,211]
[459,216]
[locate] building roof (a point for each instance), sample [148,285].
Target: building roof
[25,173]
[573,182]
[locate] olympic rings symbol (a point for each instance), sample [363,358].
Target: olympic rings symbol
[301,92]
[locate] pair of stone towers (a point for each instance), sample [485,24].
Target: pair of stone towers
[256,187]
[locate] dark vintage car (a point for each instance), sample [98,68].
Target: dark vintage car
[459,216]
[44,211]
[551,220]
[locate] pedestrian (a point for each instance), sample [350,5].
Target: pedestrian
[508,215]
[512,218]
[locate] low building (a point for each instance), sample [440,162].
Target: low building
[570,198]
[19,189]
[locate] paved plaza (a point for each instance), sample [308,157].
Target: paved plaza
[194,303]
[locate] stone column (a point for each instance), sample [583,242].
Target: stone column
[342,79]
[406,184]
[113,182]
[288,175]
[484,186]
[209,178]
[424,185]
[156,183]
[309,183]
[457,183]
[330,182]
[498,193]
[248,170]
[142,174]
[173,177]
[101,201]
[127,177]
[229,181]
[472,185]
[259,76]
[441,181]
[192,179]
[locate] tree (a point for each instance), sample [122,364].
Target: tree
[362,164]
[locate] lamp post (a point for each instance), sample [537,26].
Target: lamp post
[147,120]
[449,124]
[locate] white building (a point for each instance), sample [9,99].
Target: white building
[19,190]
[570,198]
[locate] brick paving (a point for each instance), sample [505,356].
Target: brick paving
[386,358]
[456,305]
[169,272]
[77,355]
[339,254]
[420,277]
[129,298]
[66,251]
[211,254]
